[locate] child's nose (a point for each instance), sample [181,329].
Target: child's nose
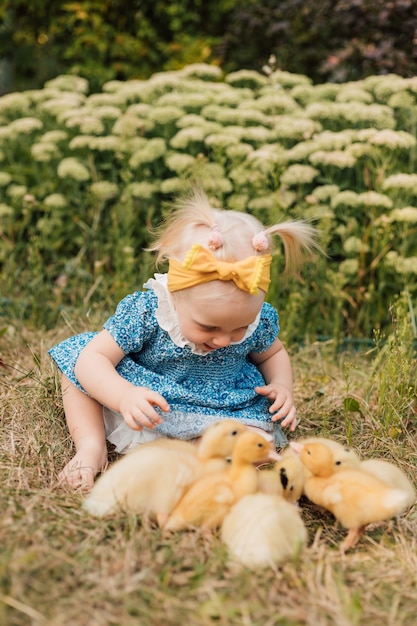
[221,341]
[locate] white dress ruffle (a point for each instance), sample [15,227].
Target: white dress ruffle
[121,435]
[166,315]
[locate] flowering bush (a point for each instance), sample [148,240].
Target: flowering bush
[83,178]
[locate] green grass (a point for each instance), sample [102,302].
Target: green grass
[60,566]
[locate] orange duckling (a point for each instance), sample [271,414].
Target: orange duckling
[343,456]
[263,530]
[209,499]
[152,478]
[355,497]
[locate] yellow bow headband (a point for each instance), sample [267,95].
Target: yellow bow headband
[201,266]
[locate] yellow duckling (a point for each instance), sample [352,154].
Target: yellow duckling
[286,478]
[289,474]
[216,445]
[153,477]
[389,473]
[263,530]
[209,499]
[355,497]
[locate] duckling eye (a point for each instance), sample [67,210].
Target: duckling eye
[233,433]
[338,463]
[292,488]
[260,445]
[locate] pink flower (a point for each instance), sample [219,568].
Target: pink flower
[260,242]
[215,240]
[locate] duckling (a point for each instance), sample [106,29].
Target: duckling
[263,530]
[153,477]
[355,497]
[286,478]
[217,443]
[343,456]
[288,475]
[209,498]
[389,473]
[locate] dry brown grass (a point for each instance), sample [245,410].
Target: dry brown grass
[58,566]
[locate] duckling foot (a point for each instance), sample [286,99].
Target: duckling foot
[351,539]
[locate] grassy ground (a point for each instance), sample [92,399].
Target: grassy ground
[60,566]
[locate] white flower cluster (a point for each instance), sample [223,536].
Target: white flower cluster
[270,143]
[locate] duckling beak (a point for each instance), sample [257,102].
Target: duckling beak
[297,447]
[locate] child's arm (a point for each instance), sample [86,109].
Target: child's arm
[275,366]
[96,371]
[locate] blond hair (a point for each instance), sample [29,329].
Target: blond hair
[192,222]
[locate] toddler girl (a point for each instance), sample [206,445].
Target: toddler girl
[200,344]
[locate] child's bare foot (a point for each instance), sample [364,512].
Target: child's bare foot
[80,472]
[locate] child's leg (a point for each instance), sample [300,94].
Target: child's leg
[84,417]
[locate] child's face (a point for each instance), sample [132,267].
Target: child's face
[214,321]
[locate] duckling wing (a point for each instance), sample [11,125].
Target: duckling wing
[392,475]
[205,504]
[332,494]
[165,489]
[224,494]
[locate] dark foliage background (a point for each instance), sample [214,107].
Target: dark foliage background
[103,40]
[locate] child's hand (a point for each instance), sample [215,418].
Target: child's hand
[136,407]
[282,406]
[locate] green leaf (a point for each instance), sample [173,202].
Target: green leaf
[350,404]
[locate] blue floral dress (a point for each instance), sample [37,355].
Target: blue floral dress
[200,387]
